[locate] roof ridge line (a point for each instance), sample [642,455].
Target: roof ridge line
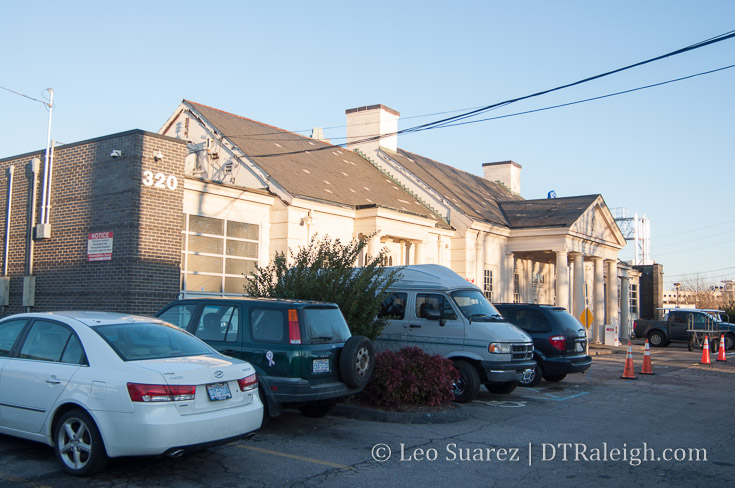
[263,124]
[399,183]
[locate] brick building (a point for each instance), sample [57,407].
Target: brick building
[113,237]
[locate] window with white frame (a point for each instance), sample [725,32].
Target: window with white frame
[633,298]
[218,254]
[488,284]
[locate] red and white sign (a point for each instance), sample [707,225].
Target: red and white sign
[99,246]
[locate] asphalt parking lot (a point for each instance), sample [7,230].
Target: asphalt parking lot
[673,427]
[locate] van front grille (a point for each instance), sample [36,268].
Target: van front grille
[521,352]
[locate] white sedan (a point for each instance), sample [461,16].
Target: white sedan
[96,385]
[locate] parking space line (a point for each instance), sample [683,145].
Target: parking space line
[554,398]
[293,456]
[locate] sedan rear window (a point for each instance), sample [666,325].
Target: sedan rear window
[136,341]
[324,325]
[568,321]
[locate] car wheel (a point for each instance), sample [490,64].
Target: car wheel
[357,361]
[554,377]
[78,444]
[534,379]
[656,339]
[729,342]
[501,388]
[467,387]
[317,411]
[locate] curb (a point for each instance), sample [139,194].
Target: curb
[456,414]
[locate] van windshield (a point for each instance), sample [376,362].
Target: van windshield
[475,306]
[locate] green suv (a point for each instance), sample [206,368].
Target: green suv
[303,351]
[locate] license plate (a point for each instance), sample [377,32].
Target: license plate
[219,391]
[320,366]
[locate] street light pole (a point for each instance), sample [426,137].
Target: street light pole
[677,285]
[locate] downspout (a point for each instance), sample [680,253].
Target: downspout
[11,170]
[46,187]
[28,279]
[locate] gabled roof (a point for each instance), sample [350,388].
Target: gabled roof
[548,212]
[473,195]
[312,169]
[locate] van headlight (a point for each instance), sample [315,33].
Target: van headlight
[498,348]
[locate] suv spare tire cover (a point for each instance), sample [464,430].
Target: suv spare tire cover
[357,362]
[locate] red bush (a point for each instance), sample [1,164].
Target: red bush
[410,377]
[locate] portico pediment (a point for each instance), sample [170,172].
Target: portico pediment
[597,224]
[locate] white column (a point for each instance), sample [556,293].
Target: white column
[625,307]
[598,292]
[578,287]
[479,258]
[373,247]
[528,278]
[507,280]
[420,256]
[611,304]
[562,279]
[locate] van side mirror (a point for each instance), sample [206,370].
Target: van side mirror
[436,315]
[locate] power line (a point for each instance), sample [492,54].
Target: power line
[698,45]
[25,96]
[699,238]
[688,231]
[376,137]
[702,272]
[451,121]
[696,249]
[588,99]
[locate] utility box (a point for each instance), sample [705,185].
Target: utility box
[4,291]
[43,231]
[29,291]
[611,335]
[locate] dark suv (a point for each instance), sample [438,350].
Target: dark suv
[302,351]
[559,340]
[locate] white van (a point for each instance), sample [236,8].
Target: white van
[434,308]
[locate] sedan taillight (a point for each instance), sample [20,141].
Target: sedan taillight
[248,383]
[559,342]
[160,393]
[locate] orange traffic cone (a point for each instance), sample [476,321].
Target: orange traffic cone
[628,373]
[721,352]
[647,368]
[705,352]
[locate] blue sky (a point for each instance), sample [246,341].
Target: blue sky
[665,152]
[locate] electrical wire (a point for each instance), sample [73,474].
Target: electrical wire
[698,228]
[373,138]
[702,272]
[698,238]
[25,96]
[589,99]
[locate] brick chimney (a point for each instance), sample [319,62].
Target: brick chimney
[374,121]
[506,173]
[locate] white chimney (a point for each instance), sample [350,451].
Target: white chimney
[317,133]
[507,173]
[371,127]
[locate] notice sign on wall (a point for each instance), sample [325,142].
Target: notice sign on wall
[99,246]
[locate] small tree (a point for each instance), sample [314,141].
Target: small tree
[701,291]
[324,270]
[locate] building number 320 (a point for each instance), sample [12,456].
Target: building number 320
[159,180]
